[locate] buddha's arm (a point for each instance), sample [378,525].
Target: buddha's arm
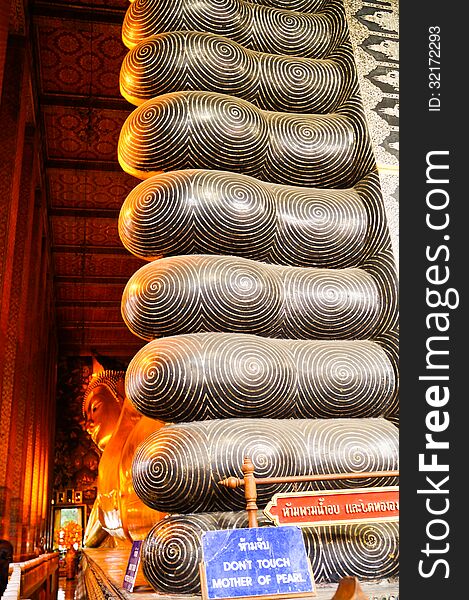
[94,533]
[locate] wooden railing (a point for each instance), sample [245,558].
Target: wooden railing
[27,578]
[250,483]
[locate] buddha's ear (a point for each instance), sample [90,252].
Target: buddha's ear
[121,389]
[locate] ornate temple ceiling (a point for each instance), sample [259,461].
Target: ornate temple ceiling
[78,54]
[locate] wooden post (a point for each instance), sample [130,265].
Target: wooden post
[250,483]
[250,491]
[349,589]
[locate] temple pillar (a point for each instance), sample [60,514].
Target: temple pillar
[13,118]
[4,22]
[27,322]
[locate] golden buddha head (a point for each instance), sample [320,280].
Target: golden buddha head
[102,405]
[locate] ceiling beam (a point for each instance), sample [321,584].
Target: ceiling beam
[80,101]
[81,211]
[83,165]
[87,249]
[74,325]
[123,351]
[88,303]
[96,279]
[81,12]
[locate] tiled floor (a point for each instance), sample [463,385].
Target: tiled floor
[66,589]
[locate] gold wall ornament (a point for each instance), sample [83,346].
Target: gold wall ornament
[117,429]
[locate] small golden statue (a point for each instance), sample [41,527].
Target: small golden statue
[117,429]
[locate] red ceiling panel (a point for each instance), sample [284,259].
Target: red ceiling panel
[82,133]
[89,189]
[90,292]
[79,57]
[98,315]
[69,264]
[77,231]
[78,54]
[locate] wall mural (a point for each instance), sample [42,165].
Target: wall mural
[76,457]
[269,301]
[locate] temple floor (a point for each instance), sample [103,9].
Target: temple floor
[66,589]
[104,570]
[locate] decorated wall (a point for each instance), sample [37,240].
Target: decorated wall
[76,458]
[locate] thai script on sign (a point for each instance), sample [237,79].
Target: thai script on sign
[132,567]
[334,506]
[372,507]
[259,544]
[255,561]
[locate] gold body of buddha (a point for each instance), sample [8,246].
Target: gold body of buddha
[117,429]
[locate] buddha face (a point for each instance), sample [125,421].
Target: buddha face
[102,412]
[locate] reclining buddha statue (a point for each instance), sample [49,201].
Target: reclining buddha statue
[117,429]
